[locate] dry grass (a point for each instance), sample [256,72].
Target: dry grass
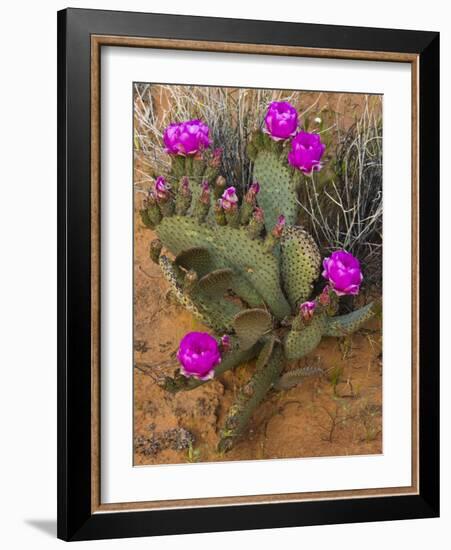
[232,114]
[342,206]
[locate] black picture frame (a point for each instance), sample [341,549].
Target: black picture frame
[76,521]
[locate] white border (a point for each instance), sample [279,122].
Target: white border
[120,481]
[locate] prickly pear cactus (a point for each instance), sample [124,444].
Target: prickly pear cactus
[244,266]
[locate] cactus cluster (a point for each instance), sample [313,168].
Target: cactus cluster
[243,267]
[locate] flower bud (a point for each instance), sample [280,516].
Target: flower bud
[183,199]
[205,193]
[252,193]
[307,309]
[229,199]
[219,213]
[259,215]
[324,297]
[273,238]
[278,228]
[184,187]
[219,186]
[161,189]
[256,224]
[225,343]
[203,205]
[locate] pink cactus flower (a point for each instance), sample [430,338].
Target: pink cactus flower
[186,138]
[281,120]
[306,152]
[343,272]
[198,354]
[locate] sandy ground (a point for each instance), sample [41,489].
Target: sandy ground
[337,414]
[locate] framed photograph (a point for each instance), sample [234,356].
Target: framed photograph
[248,274]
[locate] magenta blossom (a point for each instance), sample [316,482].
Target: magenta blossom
[343,271]
[198,354]
[229,198]
[281,120]
[306,152]
[161,188]
[307,309]
[186,138]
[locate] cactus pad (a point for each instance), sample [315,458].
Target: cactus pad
[214,284]
[198,259]
[266,352]
[278,194]
[300,264]
[301,342]
[230,247]
[217,314]
[342,325]
[295,377]
[250,396]
[250,325]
